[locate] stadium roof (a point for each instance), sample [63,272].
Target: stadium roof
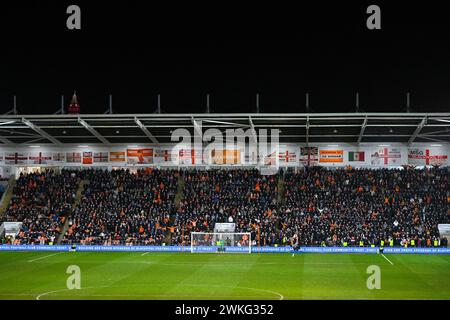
[110,129]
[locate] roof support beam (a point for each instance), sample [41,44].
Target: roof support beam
[433,139]
[252,128]
[20,133]
[92,131]
[197,127]
[146,131]
[307,131]
[224,123]
[434,132]
[443,120]
[41,132]
[32,141]
[417,131]
[363,128]
[6,141]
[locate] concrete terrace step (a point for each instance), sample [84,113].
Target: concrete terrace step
[178,197]
[76,203]
[6,199]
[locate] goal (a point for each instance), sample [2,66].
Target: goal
[226,242]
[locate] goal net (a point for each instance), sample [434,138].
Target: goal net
[228,242]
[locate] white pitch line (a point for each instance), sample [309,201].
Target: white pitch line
[387,259]
[145,253]
[38,297]
[145,295]
[49,293]
[47,256]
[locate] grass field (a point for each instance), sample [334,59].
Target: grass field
[42,275]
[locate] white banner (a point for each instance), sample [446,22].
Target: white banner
[427,156]
[224,227]
[444,230]
[386,157]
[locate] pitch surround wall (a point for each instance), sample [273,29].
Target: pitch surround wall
[375,155]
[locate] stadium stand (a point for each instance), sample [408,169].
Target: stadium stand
[3,185]
[120,207]
[332,207]
[244,197]
[41,201]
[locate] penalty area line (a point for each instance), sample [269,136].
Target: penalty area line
[387,259]
[47,256]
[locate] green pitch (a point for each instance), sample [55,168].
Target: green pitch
[42,275]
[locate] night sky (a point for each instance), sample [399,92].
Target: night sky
[227,50]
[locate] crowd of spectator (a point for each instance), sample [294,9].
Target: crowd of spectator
[122,207]
[319,206]
[365,206]
[40,201]
[244,197]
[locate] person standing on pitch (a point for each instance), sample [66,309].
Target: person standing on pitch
[295,244]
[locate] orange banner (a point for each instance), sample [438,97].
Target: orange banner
[138,156]
[334,156]
[117,156]
[226,156]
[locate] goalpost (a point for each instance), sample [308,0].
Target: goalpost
[226,242]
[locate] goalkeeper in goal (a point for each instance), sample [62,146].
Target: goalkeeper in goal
[221,245]
[227,242]
[221,242]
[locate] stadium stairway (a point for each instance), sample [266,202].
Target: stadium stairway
[77,201]
[6,198]
[178,197]
[280,188]
[280,197]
